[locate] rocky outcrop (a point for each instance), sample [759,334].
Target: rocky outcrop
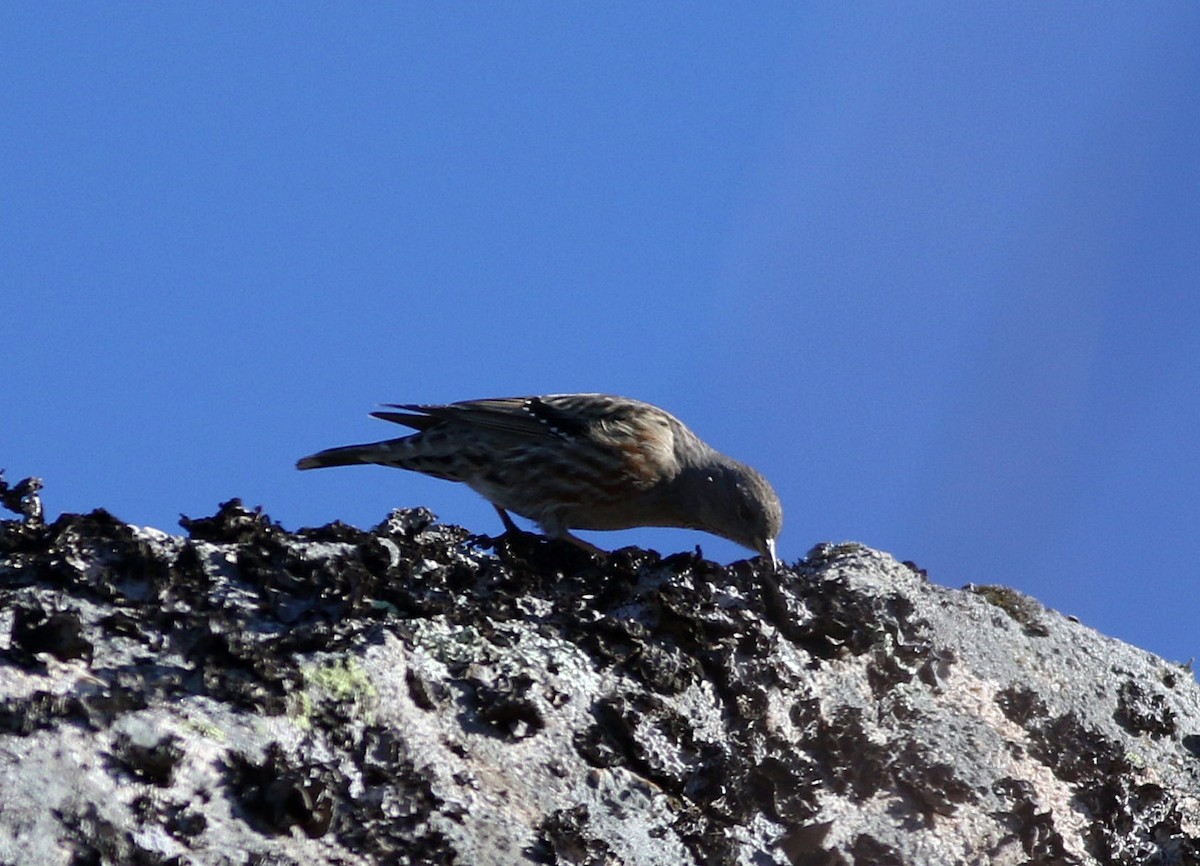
[412,694]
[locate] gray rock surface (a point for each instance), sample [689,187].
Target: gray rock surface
[248,695]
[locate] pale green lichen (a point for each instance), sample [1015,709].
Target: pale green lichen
[338,680]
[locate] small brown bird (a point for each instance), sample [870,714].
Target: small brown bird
[579,461]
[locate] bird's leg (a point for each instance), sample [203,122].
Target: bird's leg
[510,528]
[582,545]
[555,529]
[513,532]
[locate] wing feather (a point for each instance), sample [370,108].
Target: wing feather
[511,415]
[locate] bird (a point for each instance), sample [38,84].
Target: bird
[578,461]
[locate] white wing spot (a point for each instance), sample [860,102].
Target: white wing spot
[527,405]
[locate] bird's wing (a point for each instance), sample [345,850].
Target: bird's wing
[526,417]
[638,436]
[563,416]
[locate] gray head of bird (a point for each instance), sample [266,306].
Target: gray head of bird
[736,502]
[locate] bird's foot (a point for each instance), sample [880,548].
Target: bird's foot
[513,536]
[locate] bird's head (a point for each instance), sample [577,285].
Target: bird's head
[736,502]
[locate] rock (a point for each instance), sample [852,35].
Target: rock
[412,694]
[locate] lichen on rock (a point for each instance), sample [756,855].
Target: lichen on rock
[415,694]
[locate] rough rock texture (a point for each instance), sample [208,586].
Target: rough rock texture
[247,695]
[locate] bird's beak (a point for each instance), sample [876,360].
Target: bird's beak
[769,550]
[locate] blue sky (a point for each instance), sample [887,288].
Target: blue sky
[934,268]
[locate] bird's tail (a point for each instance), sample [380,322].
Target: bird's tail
[347,455]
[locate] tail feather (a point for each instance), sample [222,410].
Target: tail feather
[417,422]
[348,455]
